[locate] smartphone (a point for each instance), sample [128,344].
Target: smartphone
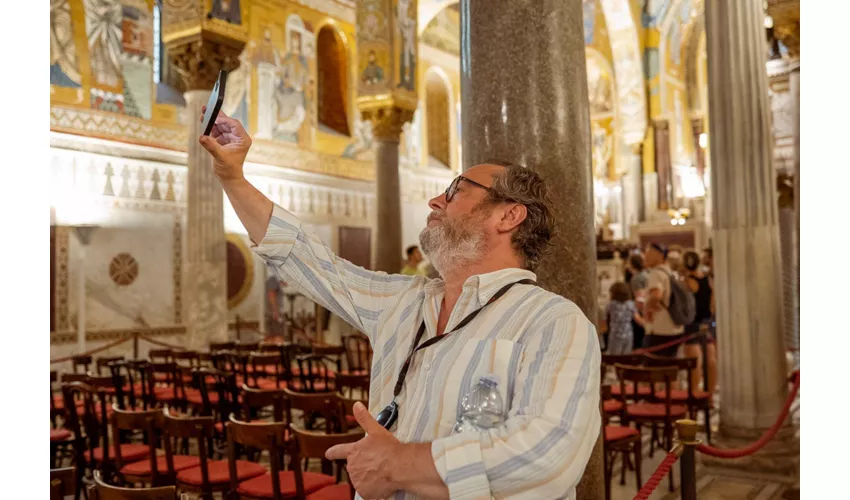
[215,102]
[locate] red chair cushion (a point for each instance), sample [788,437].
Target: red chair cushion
[193,396]
[612,406]
[164,393]
[143,467]
[270,383]
[261,487]
[618,432]
[681,395]
[59,402]
[655,410]
[341,491]
[220,473]
[643,390]
[59,434]
[129,452]
[352,422]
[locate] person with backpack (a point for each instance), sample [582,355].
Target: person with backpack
[669,306]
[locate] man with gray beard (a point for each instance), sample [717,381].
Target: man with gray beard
[433,339]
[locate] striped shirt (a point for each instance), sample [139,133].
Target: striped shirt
[540,345]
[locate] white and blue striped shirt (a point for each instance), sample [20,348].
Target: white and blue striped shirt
[543,349]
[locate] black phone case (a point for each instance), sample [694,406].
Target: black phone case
[218,94]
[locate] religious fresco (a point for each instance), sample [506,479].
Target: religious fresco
[226,10]
[236,98]
[601,93]
[373,45]
[600,87]
[64,63]
[405,19]
[294,95]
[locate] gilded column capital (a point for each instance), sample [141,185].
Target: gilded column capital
[786,23]
[199,62]
[387,122]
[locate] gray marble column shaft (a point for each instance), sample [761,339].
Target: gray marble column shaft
[388,200]
[747,283]
[205,264]
[794,81]
[524,100]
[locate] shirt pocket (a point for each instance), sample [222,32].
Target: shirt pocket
[476,359]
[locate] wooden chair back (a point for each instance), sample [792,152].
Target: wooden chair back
[665,375]
[269,437]
[142,420]
[255,400]
[81,363]
[87,422]
[161,355]
[314,374]
[358,353]
[622,359]
[265,364]
[102,363]
[201,429]
[224,385]
[222,346]
[105,491]
[124,380]
[247,346]
[169,374]
[327,405]
[314,444]
[63,483]
[686,365]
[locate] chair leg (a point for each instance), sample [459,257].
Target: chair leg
[606,471]
[708,424]
[638,450]
[623,469]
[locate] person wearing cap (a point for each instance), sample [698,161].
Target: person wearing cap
[660,327]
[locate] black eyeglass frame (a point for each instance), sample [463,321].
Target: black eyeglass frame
[452,189]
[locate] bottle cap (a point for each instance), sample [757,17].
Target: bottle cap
[490,380]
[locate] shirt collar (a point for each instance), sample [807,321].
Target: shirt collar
[485,285]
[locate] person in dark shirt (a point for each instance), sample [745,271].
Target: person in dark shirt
[700,284]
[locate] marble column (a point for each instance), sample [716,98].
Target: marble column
[751,351]
[205,264]
[795,94]
[525,101]
[387,239]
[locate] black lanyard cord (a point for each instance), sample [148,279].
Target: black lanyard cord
[428,343]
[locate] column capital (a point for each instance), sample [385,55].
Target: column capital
[387,122]
[200,43]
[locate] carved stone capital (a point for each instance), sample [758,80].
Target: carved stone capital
[387,121]
[199,61]
[786,23]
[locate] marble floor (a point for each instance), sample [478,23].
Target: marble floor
[711,483]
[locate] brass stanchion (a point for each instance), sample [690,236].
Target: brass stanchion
[686,431]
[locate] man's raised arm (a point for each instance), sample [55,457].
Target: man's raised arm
[356,295]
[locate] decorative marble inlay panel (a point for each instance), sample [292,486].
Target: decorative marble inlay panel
[122,127]
[61,310]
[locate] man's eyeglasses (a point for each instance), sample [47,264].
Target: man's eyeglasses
[452,189]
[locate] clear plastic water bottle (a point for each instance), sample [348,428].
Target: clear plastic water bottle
[481,408]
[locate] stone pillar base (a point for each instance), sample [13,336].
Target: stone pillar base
[779,459]
[206,307]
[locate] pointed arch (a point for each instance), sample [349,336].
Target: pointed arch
[332,85]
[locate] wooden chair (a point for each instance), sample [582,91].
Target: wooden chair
[358,354]
[609,360]
[102,363]
[265,369]
[170,389]
[327,406]
[649,413]
[256,400]
[154,469]
[81,363]
[314,444]
[314,374]
[694,399]
[63,483]
[88,423]
[186,362]
[125,375]
[247,347]
[619,439]
[161,355]
[102,491]
[277,484]
[212,475]
[222,346]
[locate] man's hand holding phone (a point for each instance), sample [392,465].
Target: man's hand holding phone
[228,143]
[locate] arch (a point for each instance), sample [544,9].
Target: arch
[332,70]
[628,68]
[428,10]
[439,108]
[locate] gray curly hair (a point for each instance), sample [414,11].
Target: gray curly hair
[521,185]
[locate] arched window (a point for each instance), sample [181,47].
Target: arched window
[332,81]
[437,116]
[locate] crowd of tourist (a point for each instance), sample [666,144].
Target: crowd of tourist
[644,312]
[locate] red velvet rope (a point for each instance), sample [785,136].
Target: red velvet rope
[648,350]
[91,351]
[767,436]
[161,344]
[658,475]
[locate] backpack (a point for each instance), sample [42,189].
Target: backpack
[683,305]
